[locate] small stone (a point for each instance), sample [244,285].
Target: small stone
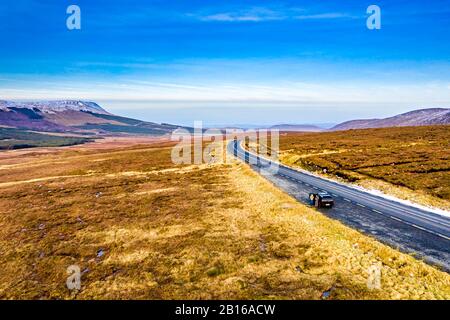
[262,246]
[326,294]
[100,253]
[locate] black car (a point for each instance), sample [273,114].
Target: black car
[321,200]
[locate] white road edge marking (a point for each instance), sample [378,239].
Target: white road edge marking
[440,235]
[392,217]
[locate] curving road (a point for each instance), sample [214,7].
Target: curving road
[407,228]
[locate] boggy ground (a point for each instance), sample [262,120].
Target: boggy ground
[140,227]
[411,163]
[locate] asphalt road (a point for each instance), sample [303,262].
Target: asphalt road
[404,227]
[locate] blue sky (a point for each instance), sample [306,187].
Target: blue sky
[228,62]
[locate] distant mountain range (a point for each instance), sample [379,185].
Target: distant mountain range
[297,127]
[88,118]
[74,116]
[317,127]
[422,117]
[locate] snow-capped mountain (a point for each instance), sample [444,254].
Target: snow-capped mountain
[55,106]
[73,116]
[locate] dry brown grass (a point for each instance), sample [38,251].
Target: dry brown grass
[201,232]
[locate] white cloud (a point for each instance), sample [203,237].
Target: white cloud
[254,14]
[323,16]
[291,93]
[228,17]
[257,14]
[256,82]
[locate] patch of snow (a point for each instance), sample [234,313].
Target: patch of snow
[407,202]
[51,107]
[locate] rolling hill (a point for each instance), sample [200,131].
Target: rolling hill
[74,116]
[422,117]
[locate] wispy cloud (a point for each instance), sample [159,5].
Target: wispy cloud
[254,14]
[229,17]
[293,93]
[324,16]
[258,14]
